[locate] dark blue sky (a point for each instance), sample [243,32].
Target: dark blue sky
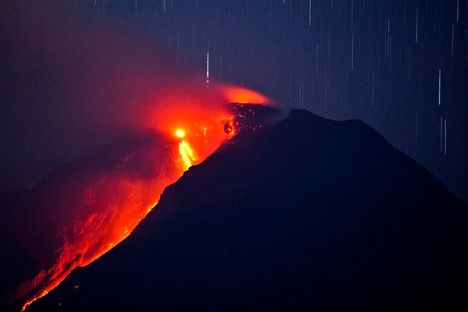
[401,66]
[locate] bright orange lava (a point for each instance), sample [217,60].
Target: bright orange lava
[185,150]
[105,206]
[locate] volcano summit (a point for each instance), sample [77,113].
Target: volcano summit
[304,214]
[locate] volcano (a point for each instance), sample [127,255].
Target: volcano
[303,214]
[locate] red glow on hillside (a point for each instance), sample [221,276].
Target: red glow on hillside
[105,199]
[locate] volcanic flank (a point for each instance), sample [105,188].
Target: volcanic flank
[304,214]
[84,208]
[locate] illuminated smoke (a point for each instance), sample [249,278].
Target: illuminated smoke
[105,196]
[95,86]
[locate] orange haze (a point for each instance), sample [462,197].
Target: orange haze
[88,84]
[107,196]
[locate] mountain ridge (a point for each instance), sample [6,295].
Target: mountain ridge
[307,213]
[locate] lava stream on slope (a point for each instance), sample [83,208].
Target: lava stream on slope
[98,200]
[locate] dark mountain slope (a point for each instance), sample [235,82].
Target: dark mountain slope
[306,214]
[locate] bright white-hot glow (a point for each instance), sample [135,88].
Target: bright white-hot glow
[180,133]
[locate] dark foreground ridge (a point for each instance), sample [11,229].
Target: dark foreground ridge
[306,214]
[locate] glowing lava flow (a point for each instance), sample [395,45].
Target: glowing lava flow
[186,152]
[97,201]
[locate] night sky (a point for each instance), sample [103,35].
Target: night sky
[105,103]
[400,66]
